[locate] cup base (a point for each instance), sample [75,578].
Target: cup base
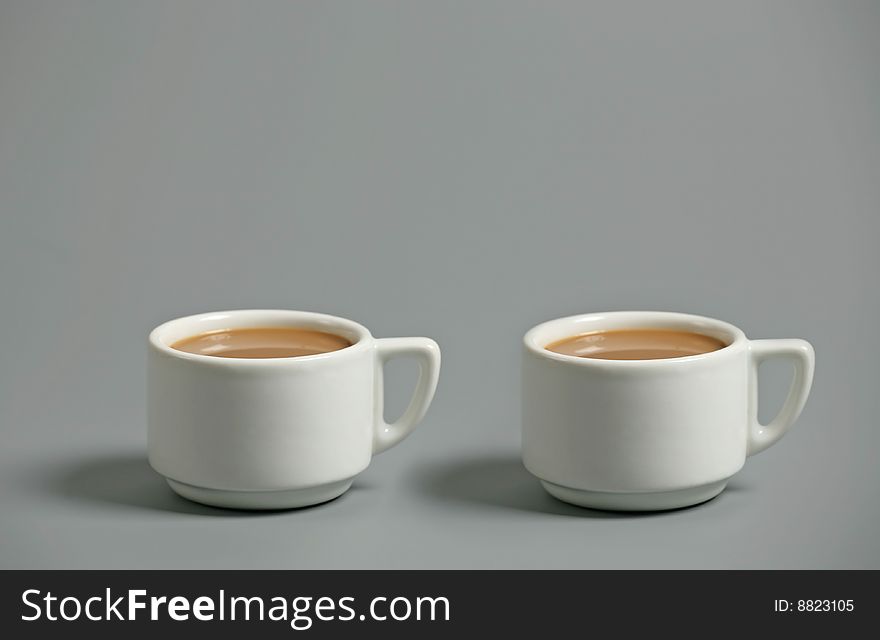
[648,501]
[261,500]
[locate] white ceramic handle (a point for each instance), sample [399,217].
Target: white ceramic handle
[427,355]
[800,352]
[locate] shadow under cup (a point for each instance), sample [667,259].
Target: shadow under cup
[648,434]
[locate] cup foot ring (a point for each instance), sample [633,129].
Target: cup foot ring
[261,500]
[647,501]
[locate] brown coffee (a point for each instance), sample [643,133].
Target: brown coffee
[636,344]
[262,342]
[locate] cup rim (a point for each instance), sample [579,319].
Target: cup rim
[162,336]
[536,339]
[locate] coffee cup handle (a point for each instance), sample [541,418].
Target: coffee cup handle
[427,354]
[800,353]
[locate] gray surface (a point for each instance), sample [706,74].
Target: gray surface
[461,170]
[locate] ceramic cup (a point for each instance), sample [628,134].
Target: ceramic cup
[649,434]
[273,433]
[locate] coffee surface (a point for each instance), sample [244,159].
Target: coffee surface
[262,342]
[636,344]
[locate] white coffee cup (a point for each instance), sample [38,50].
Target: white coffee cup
[649,434]
[272,433]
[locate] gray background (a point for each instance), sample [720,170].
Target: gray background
[461,170]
